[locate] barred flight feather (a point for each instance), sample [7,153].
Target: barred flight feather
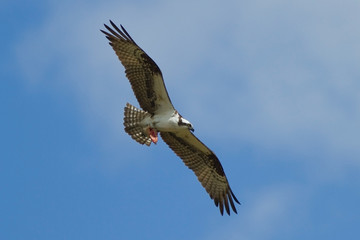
[132,118]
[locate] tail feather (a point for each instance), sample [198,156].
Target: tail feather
[132,118]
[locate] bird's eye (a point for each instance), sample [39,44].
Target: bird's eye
[191,128]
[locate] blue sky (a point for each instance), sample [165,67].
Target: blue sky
[272,87]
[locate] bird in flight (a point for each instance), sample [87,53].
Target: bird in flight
[158,115]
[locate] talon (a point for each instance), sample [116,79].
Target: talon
[153,135]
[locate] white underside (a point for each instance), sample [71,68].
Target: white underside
[166,122]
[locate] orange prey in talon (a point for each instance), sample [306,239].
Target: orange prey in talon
[153,135]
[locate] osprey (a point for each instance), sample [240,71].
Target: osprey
[159,115]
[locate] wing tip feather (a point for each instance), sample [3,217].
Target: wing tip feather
[115,33]
[225,201]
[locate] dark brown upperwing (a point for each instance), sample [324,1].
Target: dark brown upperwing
[144,75]
[205,165]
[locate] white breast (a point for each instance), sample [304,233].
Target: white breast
[166,122]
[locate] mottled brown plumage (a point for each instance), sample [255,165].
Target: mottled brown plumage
[149,88]
[140,69]
[205,165]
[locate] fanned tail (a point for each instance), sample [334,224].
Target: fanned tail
[132,119]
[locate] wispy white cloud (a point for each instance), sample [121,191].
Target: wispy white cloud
[298,83]
[268,213]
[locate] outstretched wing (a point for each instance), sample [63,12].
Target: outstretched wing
[205,165]
[144,75]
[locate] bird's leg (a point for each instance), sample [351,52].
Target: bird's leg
[153,134]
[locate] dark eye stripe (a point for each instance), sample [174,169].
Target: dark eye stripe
[182,123]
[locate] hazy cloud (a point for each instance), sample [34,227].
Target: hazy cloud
[283,74]
[278,76]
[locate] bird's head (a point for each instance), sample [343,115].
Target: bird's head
[185,124]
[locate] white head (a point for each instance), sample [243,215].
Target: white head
[183,123]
